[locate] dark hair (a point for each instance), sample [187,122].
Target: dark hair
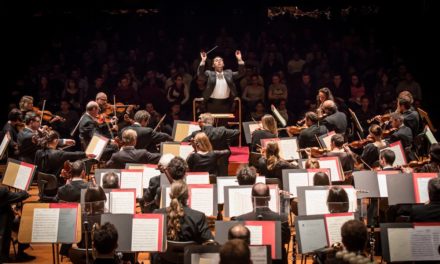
[247,176]
[405,102]
[110,180]
[105,238]
[327,92]
[77,168]
[321,179]
[44,138]
[15,115]
[240,231]
[388,155]
[235,251]
[337,200]
[177,168]
[354,235]
[338,140]
[312,116]
[29,117]
[95,200]
[434,190]
[376,130]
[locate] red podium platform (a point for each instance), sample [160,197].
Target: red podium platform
[239,157]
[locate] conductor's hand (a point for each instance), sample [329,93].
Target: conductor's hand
[238,55]
[203,56]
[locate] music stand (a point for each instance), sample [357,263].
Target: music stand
[357,124]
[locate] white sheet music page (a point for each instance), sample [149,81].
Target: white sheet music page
[331,164]
[382,182]
[333,226]
[316,202]
[145,234]
[240,201]
[261,179]
[254,126]
[147,175]
[274,203]
[97,146]
[4,145]
[258,254]
[396,147]
[23,175]
[132,180]
[45,225]
[297,179]
[197,178]
[256,234]
[202,199]
[192,128]
[289,149]
[185,150]
[221,183]
[313,235]
[122,203]
[422,184]
[399,244]
[425,242]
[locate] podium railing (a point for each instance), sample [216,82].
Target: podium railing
[223,115]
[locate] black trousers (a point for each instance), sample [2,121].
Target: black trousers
[219,106]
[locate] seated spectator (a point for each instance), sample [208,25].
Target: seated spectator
[247,176]
[105,242]
[235,251]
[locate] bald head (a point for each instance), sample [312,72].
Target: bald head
[260,190]
[329,107]
[239,231]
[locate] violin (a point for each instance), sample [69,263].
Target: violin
[47,115]
[117,108]
[360,143]
[66,172]
[315,151]
[380,118]
[417,163]
[295,130]
[389,132]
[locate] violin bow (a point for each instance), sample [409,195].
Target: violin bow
[42,112]
[160,122]
[114,105]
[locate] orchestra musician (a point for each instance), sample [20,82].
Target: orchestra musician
[371,151]
[411,117]
[434,162]
[324,94]
[344,154]
[268,129]
[26,104]
[402,133]
[13,126]
[307,137]
[333,120]
[147,138]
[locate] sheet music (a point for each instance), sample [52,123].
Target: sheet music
[122,203]
[23,175]
[132,180]
[278,116]
[289,149]
[422,184]
[4,145]
[205,258]
[261,179]
[67,221]
[240,201]
[258,254]
[145,235]
[254,126]
[352,198]
[316,202]
[221,183]
[328,139]
[312,234]
[331,164]
[167,196]
[197,178]
[147,175]
[274,203]
[425,242]
[256,234]
[333,227]
[185,150]
[96,146]
[399,244]
[202,200]
[382,182]
[45,225]
[430,136]
[192,128]
[297,179]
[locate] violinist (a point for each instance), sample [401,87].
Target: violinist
[26,146]
[324,94]
[334,120]
[307,137]
[337,149]
[13,126]
[269,130]
[26,104]
[91,123]
[402,133]
[71,192]
[370,153]
[49,159]
[434,163]
[71,119]
[411,117]
[386,160]
[147,138]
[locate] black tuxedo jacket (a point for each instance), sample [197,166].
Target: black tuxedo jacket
[211,77]
[71,192]
[403,134]
[87,127]
[220,137]
[51,161]
[147,138]
[426,212]
[257,136]
[336,122]
[131,155]
[307,137]
[411,119]
[26,146]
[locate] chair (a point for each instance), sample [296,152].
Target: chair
[253,159]
[274,181]
[78,255]
[47,187]
[175,251]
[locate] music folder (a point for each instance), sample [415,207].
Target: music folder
[288,147]
[249,128]
[262,233]
[397,148]
[325,140]
[18,174]
[197,178]
[203,198]
[139,232]
[278,116]
[50,223]
[204,254]
[408,188]
[410,241]
[4,145]
[374,182]
[182,149]
[97,145]
[182,129]
[293,178]
[149,171]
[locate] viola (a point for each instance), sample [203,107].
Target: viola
[295,130]
[315,151]
[118,108]
[417,163]
[360,143]
[46,115]
[389,132]
[380,118]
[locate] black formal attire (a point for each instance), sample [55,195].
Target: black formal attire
[198,162]
[220,138]
[147,138]
[131,155]
[346,159]
[265,214]
[370,154]
[7,220]
[257,136]
[87,128]
[276,171]
[220,105]
[11,151]
[71,192]
[411,119]
[26,146]
[404,135]
[336,122]
[193,224]
[426,212]
[151,195]
[307,137]
[51,161]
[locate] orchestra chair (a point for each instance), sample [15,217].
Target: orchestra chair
[175,251]
[47,187]
[78,255]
